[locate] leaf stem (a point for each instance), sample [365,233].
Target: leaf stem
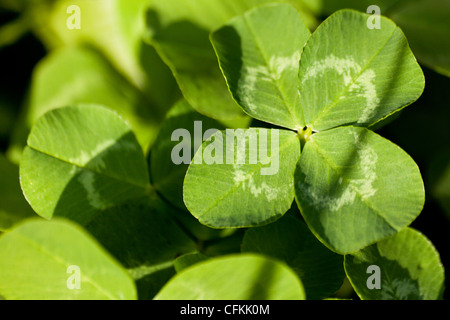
[304,134]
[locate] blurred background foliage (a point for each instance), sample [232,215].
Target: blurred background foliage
[139,57]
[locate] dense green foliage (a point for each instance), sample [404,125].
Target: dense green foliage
[221,149]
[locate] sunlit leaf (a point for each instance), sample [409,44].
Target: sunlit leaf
[242,277]
[242,178]
[81,160]
[355,188]
[259,53]
[41,260]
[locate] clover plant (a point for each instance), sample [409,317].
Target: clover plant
[284,209]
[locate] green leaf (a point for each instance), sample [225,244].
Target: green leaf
[350,74]
[290,240]
[259,54]
[235,277]
[188,260]
[409,269]
[81,160]
[355,188]
[13,206]
[179,30]
[35,261]
[242,178]
[426,24]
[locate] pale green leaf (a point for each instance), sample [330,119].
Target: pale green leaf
[290,240]
[259,54]
[236,277]
[81,160]
[113,26]
[409,269]
[350,74]
[36,259]
[242,178]
[355,188]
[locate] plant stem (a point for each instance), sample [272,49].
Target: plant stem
[303,135]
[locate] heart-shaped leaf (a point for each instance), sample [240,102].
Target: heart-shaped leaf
[81,160]
[355,188]
[403,267]
[236,277]
[58,260]
[242,178]
[350,74]
[259,53]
